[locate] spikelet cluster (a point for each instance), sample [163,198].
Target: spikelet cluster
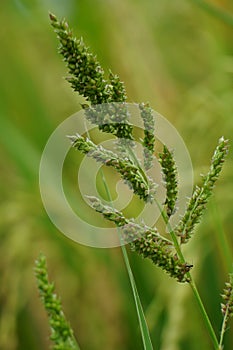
[146,241]
[111,118]
[227,295]
[86,74]
[61,332]
[149,129]
[199,199]
[87,77]
[170,179]
[141,186]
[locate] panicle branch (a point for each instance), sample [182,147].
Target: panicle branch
[199,199]
[149,128]
[141,186]
[170,178]
[146,241]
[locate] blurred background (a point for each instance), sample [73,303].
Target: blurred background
[178,56]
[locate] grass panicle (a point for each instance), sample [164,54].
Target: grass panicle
[87,77]
[61,333]
[199,199]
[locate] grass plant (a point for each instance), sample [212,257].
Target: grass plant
[87,77]
[174,54]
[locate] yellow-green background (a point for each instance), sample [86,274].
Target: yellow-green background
[175,55]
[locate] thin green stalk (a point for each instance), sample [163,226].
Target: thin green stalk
[204,313]
[171,232]
[141,317]
[223,330]
[215,11]
[192,283]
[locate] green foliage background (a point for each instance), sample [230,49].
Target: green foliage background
[178,57]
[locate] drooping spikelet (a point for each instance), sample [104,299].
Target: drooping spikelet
[146,241]
[141,185]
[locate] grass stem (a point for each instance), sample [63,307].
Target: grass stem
[147,344]
[204,313]
[191,283]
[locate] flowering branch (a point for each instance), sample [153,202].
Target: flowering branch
[170,178]
[199,199]
[141,185]
[149,128]
[146,241]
